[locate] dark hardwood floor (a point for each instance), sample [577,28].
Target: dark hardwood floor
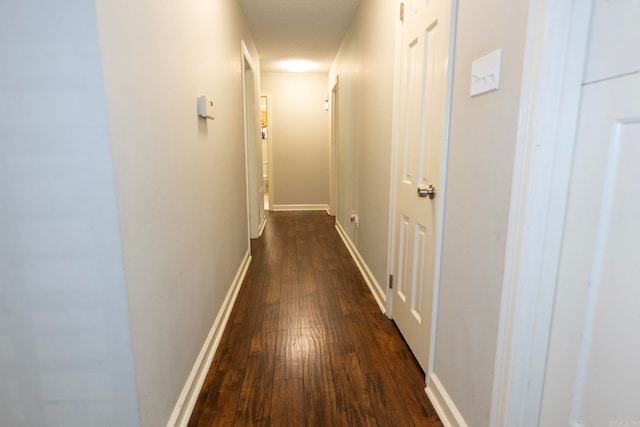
[306,344]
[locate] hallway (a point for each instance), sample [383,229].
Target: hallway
[306,344]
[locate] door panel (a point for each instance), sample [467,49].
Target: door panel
[608,363]
[614,24]
[422,119]
[403,254]
[592,375]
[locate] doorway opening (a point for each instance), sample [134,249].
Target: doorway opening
[267,165]
[256,216]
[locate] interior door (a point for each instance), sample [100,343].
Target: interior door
[253,151]
[592,374]
[425,47]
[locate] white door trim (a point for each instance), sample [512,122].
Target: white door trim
[253,218]
[269,150]
[554,59]
[333,150]
[393,156]
[443,182]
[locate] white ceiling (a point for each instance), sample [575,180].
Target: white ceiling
[298,29]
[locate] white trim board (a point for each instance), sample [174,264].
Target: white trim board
[189,395]
[442,403]
[367,275]
[301,208]
[554,60]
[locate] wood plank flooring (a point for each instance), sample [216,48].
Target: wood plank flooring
[306,344]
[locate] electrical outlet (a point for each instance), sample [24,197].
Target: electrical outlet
[354,219]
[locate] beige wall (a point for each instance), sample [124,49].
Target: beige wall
[364,65]
[299,137]
[481,150]
[180,179]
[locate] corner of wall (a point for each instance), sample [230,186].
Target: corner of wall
[191,391]
[376,290]
[443,404]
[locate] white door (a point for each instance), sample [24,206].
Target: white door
[425,47]
[593,373]
[253,150]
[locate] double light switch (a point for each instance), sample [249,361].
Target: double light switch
[485,73]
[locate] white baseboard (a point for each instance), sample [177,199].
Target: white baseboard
[442,403]
[187,399]
[263,224]
[301,207]
[368,276]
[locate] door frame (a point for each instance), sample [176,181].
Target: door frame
[333,154]
[443,181]
[249,122]
[269,150]
[555,52]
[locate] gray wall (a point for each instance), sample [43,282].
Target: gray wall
[65,349]
[364,66]
[299,138]
[180,179]
[481,149]
[123,218]
[179,233]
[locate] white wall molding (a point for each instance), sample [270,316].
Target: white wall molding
[301,208]
[270,180]
[189,395]
[442,403]
[554,60]
[368,276]
[263,224]
[254,198]
[393,155]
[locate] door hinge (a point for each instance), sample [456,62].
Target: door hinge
[402,12]
[391,281]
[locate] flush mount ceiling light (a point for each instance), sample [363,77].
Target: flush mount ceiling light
[297,65]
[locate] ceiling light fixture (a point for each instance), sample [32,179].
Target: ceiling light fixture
[297,65]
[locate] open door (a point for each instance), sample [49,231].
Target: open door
[253,157]
[422,124]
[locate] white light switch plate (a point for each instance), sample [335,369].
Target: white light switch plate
[485,73]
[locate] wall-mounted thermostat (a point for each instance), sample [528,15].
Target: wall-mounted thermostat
[205,107]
